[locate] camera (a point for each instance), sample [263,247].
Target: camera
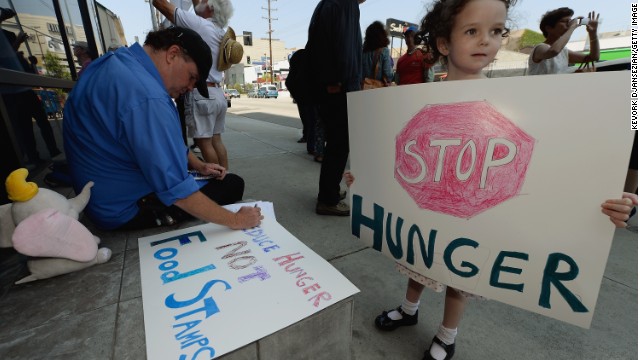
[583,21]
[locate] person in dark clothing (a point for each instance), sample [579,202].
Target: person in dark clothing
[335,53]
[23,105]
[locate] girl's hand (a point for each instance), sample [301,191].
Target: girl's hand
[349,178]
[618,210]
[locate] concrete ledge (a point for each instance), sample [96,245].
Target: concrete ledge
[324,335]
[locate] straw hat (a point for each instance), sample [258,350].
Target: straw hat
[230,50]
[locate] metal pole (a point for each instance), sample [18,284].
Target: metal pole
[154,22]
[104,45]
[88,28]
[65,39]
[73,30]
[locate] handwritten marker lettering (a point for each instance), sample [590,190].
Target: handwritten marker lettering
[551,278]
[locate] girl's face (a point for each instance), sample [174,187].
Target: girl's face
[475,39]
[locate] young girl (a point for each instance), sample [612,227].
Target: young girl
[466,35]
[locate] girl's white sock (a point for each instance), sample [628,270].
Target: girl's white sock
[448,336]
[407,306]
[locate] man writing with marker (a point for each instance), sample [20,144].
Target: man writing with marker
[122,131]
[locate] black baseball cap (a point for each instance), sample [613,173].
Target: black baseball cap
[198,50]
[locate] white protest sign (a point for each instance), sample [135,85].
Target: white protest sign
[208,290]
[494,186]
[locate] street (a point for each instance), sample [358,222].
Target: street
[281,111]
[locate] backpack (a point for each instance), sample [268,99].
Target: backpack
[298,81]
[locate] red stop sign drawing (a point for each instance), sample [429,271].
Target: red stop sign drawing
[461,159]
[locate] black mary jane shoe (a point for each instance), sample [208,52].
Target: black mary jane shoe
[449,349]
[384,322]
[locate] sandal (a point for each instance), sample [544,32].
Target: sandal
[384,322]
[449,349]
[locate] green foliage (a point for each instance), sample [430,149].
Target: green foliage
[237,87]
[54,68]
[530,38]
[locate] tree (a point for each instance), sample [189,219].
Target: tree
[530,38]
[54,68]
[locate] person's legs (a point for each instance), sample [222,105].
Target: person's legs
[226,191]
[205,145]
[309,123]
[318,149]
[42,120]
[221,150]
[18,110]
[302,114]
[443,345]
[154,213]
[219,117]
[334,116]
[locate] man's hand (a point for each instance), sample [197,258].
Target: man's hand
[247,217]
[618,210]
[218,172]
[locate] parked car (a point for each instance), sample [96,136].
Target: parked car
[228,97]
[609,65]
[252,93]
[268,91]
[234,93]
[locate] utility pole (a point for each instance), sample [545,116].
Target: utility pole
[269,9]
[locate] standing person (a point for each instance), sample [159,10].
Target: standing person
[205,113]
[414,67]
[467,35]
[376,60]
[83,54]
[552,56]
[334,47]
[24,105]
[296,82]
[125,136]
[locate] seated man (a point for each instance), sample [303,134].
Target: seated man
[122,132]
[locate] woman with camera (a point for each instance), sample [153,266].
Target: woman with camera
[552,56]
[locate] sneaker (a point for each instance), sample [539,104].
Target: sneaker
[384,322]
[339,209]
[195,149]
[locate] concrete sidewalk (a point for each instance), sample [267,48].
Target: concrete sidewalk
[97,313]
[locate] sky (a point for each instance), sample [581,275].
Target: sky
[293,15]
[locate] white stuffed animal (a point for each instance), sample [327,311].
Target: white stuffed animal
[44,224]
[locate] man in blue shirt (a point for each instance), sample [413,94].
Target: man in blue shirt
[122,131]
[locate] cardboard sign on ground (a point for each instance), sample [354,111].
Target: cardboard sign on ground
[208,290]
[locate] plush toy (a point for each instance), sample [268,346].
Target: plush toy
[44,224]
